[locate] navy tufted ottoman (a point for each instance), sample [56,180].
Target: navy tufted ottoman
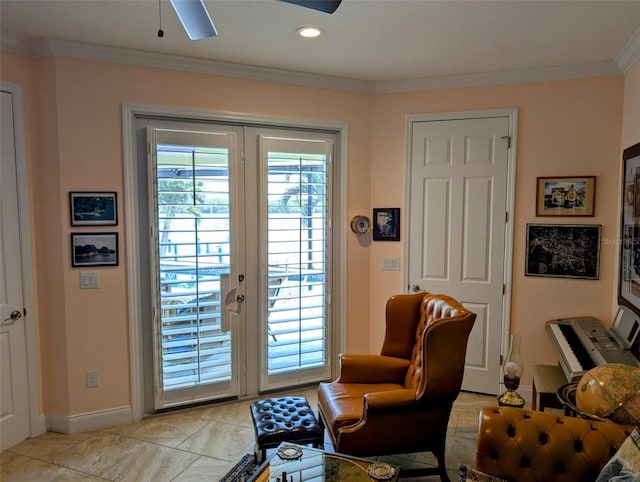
[284,419]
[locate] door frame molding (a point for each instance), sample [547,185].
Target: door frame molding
[37,421]
[131,111]
[512,115]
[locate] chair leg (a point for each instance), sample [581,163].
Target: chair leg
[259,453]
[442,468]
[321,421]
[444,477]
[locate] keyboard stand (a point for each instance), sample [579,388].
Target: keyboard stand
[546,381]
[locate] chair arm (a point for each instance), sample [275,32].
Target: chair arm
[372,369]
[390,399]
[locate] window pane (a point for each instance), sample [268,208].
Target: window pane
[297,257]
[193,244]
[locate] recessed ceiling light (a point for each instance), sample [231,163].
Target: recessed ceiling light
[309,31]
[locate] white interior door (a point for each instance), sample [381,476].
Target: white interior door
[14,406]
[458,204]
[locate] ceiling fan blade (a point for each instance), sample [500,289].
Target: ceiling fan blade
[195,18]
[326,6]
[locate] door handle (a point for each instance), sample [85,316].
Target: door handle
[229,303]
[13,317]
[415,287]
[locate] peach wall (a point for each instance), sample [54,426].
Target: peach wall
[81,143]
[631,109]
[565,128]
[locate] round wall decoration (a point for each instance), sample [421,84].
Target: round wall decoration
[360,224]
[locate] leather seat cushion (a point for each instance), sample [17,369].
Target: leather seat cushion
[285,419]
[343,403]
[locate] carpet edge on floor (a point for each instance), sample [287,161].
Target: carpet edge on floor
[242,470]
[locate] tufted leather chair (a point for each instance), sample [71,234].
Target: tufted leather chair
[523,445]
[400,401]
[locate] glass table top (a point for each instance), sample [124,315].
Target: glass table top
[294,463]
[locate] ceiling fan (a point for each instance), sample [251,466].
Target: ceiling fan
[197,22]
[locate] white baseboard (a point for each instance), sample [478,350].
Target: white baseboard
[86,422]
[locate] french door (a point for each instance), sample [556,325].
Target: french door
[240,256]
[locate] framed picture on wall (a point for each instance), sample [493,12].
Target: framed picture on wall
[566,196]
[563,250]
[94,249]
[629,269]
[386,224]
[93,209]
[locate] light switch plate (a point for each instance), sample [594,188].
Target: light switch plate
[92,378]
[90,280]
[391,264]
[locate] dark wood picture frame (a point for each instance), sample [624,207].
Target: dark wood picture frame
[563,250]
[629,269]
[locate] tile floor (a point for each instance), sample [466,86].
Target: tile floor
[200,444]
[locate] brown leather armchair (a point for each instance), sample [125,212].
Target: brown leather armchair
[524,445]
[400,401]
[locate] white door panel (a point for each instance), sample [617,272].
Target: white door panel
[195,227]
[458,193]
[294,218]
[14,407]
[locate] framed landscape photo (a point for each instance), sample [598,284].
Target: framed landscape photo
[93,209]
[629,270]
[94,249]
[565,196]
[386,224]
[563,250]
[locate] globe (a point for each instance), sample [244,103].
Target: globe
[611,391]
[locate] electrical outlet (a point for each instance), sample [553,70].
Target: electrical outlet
[92,378]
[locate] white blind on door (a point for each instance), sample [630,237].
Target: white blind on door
[297,254]
[192,199]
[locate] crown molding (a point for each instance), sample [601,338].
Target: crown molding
[63,48]
[13,42]
[564,72]
[44,47]
[630,53]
